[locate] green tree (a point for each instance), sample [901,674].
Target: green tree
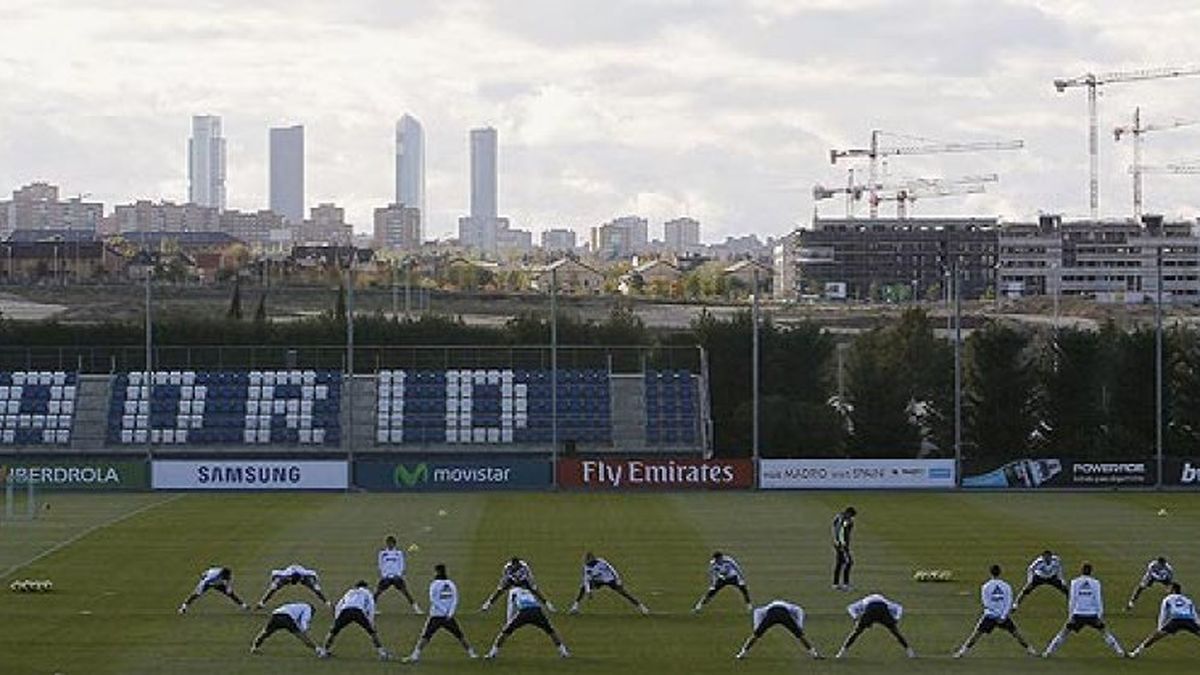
[998,378]
[235,303]
[1070,398]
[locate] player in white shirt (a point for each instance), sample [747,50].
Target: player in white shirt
[1085,607]
[875,609]
[357,606]
[293,575]
[1045,570]
[516,574]
[1158,571]
[1177,613]
[599,573]
[391,572]
[293,617]
[219,579]
[777,613]
[997,598]
[723,571]
[525,609]
[443,602]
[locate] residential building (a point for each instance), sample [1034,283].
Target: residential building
[743,273]
[572,277]
[1106,261]
[37,207]
[654,276]
[410,164]
[146,216]
[558,240]
[398,227]
[514,241]
[326,224]
[287,173]
[620,238]
[60,261]
[681,235]
[888,259]
[206,163]
[263,228]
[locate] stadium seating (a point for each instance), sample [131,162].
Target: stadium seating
[37,408]
[226,408]
[491,406]
[672,411]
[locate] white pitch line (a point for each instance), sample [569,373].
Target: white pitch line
[95,528]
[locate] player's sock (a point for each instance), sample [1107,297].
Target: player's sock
[322,653]
[741,654]
[383,654]
[812,651]
[574,608]
[471,653]
[1055,643]
[417,609]
[415,655]
[550,606]
[562,651]
[183,608]
[487,604]
[910,653]
[643,609]
[841,653]
[491,653]
[1111,641]
[254,649]
[1137,651]
[1032,651]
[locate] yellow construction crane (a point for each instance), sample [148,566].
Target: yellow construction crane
[908,145]
[1092,81]
[1137,129]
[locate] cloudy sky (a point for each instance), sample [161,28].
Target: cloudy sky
[720,109]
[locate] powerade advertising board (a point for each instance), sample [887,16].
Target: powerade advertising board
[1066,473]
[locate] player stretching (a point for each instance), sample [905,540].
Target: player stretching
[777,613]
[723,571]
[217,579]
[997,598]
[1177,613]
[290,576]
[1158,571]
[443,601]
[599,573]
[843,527]
[293,617]
[871,610]
[1045,570]
[391,572]
[357,606]
[516,574]
[524,609]
[1085,608]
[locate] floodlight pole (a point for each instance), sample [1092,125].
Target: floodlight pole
[149,350]
[754,375]
[957,372]
[350,356]
[554,372]
[1158,369]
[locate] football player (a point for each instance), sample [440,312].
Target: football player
[516,574]
[1045,570]
[723,571]
[443,602]
[1158,571]
[357,606]
[524,609]
[871,610]
[843,527]
[1177,613]
[293,617]
[219,579]
[997,598]
[293,575]
[599,573]
[1085,608]
[391,572]
[777,613]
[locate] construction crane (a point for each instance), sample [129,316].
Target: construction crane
[1137,129]
[915,146]
[905,196]
[1092,81]
[854,192]
[1182,168]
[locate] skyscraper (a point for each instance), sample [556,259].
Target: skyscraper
[483,174]
[206,162]
[287,173]
[410,164]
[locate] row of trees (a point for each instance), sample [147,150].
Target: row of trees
[886,392]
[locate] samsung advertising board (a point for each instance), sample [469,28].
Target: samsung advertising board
[271,474]
[438,474]
[1053,472]
[856,474]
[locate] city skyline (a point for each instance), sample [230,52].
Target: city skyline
[720,111]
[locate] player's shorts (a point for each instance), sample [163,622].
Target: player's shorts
[1077,623]
[1147,582]
[512,583]
[614,584]
[876,612]
[731,581]
[987,624]
[447,623]
[778,616]
[1048,581]
[391,582]
[352,615]
[281,622]
[1175,625]
[529,617]
[219,585]
[294,580]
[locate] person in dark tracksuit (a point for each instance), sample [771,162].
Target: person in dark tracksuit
[843,527]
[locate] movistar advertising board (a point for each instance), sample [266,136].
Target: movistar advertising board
[437,474]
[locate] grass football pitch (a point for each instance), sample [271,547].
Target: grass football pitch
[121,564]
